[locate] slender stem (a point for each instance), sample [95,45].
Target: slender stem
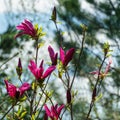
[9,59]
[47,96]
[34,92]
[41,109]
[41,94]
[91,105]
[95,87]
[63,82]
[77,64]
[50,100]
[8,111]
[59,34]
[36,51]
[71,111]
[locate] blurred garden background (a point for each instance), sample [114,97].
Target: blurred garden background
[102,18]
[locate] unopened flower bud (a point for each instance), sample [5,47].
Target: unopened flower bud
[68,96]
[19,68]
[54,16]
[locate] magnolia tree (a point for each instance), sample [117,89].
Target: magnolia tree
[36,94]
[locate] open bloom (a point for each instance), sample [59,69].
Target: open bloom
[103,74]
[66,57]
[53,55]
[54,112]
[26,28]
[15,92]
[39,72]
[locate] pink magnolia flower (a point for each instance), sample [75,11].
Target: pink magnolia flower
[39,72]
[54,112]
[53,55]
[26,28]
[66,58]
[15,92]
[103,74]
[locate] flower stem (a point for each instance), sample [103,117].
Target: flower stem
[77,64]
[95,87]
[34,92]
[8,111]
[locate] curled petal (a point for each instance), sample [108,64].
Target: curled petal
[19,34]
[25,86]
[53,56]
[59,109]
[69,56]
[51,52]
[48,71]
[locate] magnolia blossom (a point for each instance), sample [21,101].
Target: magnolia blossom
[26,28]
[15,92]
[53,55]
[39,72]
[103,74]
[66,57]
[54,111]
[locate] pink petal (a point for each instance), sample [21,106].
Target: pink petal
[47,110]
[19,34]
[49,71]
[32,65]
[29,23]
[94,72]
[20,27]
[27,27]
[25,86]
[108,66]
[62,55]
[69,56]
[51,52]
[11,89]
[41,64]
[38,73]
[53,56]
[59,109]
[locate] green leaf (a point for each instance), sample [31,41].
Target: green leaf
[33,85]
[23,114]
[98,97]
[41,44]
[33,117]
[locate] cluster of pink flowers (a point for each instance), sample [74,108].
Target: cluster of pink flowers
[40,74]
[27,28]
